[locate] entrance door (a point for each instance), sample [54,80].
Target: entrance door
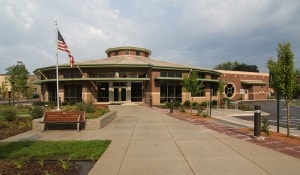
[123,94]
[116,94]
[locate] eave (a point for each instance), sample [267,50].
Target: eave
[91,79]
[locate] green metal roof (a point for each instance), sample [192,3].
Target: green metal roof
[91,79]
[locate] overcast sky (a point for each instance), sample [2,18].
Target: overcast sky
[201,33]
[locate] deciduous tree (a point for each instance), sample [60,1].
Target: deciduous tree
[283,76]
[192,85]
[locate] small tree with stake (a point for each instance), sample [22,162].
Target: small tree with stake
[283,76]
[192,85]
[18,79]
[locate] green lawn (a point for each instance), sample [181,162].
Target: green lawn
[70,150]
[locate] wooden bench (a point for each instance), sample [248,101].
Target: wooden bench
[63,117]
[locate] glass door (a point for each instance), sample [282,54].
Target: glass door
[116,94]
[123,94]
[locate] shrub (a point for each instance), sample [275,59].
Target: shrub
[182,109]
[69,108]
[195,105]
[214,102]
[89,108]
[167,104]
[97,114]
[37,112]
[204,114]
[39,103]
[187,103]
[246,108]
[9,114]
[265,126]
[177,103]
[80,106]
[204,104]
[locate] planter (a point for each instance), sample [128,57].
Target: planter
[100,122]
[37,126]
[91,124]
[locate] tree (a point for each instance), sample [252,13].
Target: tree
[236,66]
[192,85]
[18,79]
[4,90]
[221,90]
[283,76]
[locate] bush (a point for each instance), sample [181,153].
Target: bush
[97,114]
[80,106]
[176,103]
[214,102]
[204,104]
[182,109]
[89,108]
[246,108]
[187,103]
[195,105]
[265,126]
[9,114]
[37,112]
[167,104]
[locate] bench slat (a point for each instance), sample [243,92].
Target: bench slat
[64,117]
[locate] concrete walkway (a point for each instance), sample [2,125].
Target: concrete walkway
[145,141]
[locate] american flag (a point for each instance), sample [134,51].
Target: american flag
[62,45]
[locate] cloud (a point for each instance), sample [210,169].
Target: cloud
[201,33]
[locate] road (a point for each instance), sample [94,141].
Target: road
[270,106]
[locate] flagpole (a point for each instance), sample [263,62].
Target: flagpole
[57,84]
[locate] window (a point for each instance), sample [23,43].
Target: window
[171,91]
[170,74]
[126,52]
[214,88]
[52,92]
[116,53]
[201,75]
[73,92]
[136,92]
[214,77]
[120,84]
[102,92]
[72,76]
[229,90]
[138,52]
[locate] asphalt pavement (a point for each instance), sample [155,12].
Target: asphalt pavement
[270,106]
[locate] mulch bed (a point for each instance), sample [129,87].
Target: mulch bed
[33,167]
[9,129]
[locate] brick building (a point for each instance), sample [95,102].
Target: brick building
[245,85]
[128,74]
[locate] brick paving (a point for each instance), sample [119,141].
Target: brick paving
[271,143]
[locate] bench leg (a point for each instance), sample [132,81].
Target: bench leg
[78,126]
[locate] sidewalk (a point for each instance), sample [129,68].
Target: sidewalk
[148,141]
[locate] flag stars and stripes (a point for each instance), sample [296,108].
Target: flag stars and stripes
[62,45]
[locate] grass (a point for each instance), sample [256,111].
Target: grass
[70,150]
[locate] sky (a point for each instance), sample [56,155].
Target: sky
[202,33]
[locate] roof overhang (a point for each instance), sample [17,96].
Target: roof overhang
[254,82]
[91,79]
[181,79]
